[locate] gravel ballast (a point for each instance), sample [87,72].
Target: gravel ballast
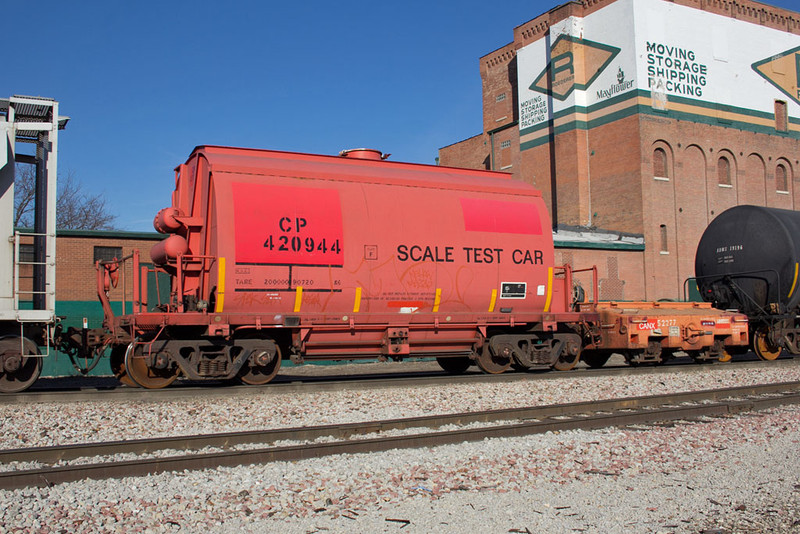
[739,474]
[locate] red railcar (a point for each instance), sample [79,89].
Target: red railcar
[276,254]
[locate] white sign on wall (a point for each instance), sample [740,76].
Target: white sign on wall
[659,54]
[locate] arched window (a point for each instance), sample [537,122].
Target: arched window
[660,169]
[781,183]
[724,171]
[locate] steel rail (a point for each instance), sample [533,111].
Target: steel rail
[284,384]
[343,431]
[585,416]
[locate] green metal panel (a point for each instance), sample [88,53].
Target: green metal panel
[693,291]
[72,314]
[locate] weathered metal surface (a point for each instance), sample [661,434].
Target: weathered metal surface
[684,326]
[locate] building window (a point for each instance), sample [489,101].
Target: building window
[500,97]
[781,116]
[107,253]
[660,169]
[781,182]
[664,242]
[724,171]
[505,155]
[26,253]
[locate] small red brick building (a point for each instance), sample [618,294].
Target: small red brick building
[76,277]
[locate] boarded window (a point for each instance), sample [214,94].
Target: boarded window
[107,253]
[26,257]
[781,183]
[724,171]
[781,116]
[505,154]
[26,253]
[660,169]
[505,158]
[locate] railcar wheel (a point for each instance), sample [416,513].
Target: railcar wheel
[569,358]
[138,368]
[491,363]
[710,354]
[701,356]
[117,363]
[764,348]
[18,371]
[634,358]
[454,365]
[650,355]
[261,367]
[595,358]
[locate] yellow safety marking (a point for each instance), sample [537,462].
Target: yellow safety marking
[298,298]
[220,286]
[437,300]
[357,305]
[549,289]
[794,282]
[493,301]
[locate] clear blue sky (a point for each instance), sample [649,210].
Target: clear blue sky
[145,82]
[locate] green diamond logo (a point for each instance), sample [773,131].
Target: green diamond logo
[574,64]
[782,71]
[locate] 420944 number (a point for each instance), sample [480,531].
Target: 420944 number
[285,243]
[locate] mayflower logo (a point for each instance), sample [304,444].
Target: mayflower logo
[622,85]
[783,71]
[574,64]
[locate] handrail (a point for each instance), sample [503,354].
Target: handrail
[568,273]
[139,284]
[595,282]
[18,263]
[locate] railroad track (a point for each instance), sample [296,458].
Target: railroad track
[84,389]
[502,423]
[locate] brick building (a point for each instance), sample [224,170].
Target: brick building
[644,118]
[76,253]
